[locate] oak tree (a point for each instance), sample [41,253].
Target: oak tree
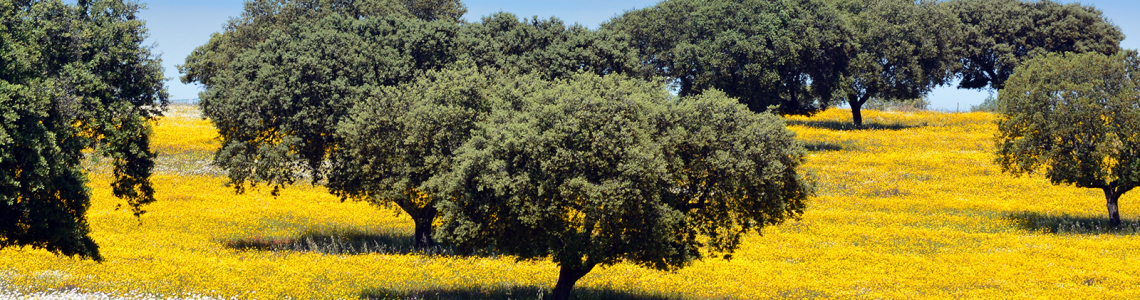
[593,170]
[785,53]
[1000,34]
[903,49]
[1075,117]
[73,79]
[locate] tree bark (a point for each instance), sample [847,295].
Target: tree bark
[1113,211]
[567,277]
[423,222]
[857,112]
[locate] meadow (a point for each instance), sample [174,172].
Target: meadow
[911,208]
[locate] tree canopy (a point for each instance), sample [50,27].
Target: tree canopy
[903,49]
[261,18]
[1076,117]
[597,170]
[998,35]
[786,52]
[405,135]
[547,47]
[278,103]
[73,78]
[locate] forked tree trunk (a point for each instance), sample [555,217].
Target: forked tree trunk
[567,277]
[422,217]
[1113,210]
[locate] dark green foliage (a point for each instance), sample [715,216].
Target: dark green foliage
[785,52]
[546,48]
[1000,34]
[1077,116]
[598,170]
[402,136]
[903,49]
[73,78]
[277,106]
[292,75]
[262,18]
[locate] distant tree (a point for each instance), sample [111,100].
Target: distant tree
[261,18]
[786,53]
[999,34]
[547,48]
[73,78]
[903,49]
[598,170]
[1077,116]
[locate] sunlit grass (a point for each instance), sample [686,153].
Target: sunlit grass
[912,208]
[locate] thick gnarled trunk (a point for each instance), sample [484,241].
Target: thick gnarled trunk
[1113,211]
[423,218]
[424,230]
[567,277]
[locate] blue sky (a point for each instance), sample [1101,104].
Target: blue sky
[178,26]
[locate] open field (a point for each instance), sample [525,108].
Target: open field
[913,208]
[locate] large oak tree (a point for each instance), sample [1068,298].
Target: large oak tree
[1075,117]
[277,103]
[73,78]
[593,170]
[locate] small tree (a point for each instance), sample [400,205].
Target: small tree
[598,170]
[903,50]
[999,34]
[73,78]
[1078,117]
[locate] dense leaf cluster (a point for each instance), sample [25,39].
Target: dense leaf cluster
[785,53]
[1000,34]
[1077,116]
[73,78]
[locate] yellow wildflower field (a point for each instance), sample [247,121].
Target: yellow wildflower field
[912,208]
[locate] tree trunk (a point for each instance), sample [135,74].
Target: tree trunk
[423,222]
[567,277]
[856,112]
[1113,211]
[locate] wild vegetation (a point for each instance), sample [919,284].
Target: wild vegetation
[484,158]
[913,208]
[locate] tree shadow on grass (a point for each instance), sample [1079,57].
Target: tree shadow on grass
[822,146]
[505,293]
[338,241]
[848,125]
[1066,224]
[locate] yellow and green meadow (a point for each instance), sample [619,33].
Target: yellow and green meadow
[912,208]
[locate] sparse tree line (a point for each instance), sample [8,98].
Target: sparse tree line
[539,139]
